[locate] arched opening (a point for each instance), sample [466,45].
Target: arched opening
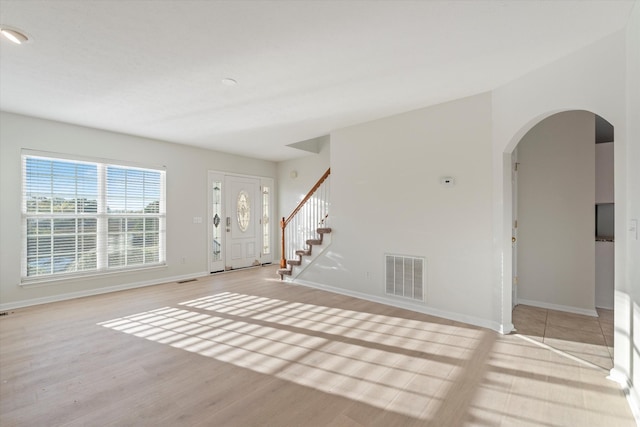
[562,228]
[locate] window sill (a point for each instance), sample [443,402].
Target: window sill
[49,280]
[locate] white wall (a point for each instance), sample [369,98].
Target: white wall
[186,198]
[308,169]
[387,198]
[605,267]
[605,259]
[627,300]
[601,78]
[556,194]
[591,79]
[385,191]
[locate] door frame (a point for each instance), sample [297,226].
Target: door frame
[265,182]
[514,227]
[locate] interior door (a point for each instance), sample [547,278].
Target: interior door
[243,207]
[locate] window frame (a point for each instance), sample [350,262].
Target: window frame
[102,218]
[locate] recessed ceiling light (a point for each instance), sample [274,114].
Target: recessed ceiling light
[229,81]
[14,35]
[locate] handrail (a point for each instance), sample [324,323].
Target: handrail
[307,197]
[284,222]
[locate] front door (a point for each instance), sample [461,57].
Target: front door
[242,223]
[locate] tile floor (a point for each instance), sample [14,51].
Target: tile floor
[586,337]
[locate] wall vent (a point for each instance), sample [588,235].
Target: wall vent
[405,276]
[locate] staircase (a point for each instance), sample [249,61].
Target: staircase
[288,271]
[305,228]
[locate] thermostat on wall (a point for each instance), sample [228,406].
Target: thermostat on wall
[448,181]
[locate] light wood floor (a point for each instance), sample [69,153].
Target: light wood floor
[244,349]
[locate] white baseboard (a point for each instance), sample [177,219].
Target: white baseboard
[97,291]
[458,317]
[558,307]
[505,329]
[629,391]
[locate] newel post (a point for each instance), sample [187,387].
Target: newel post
[283,260]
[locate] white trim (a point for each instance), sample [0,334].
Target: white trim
[101,216]
[89,159]
[629,391]
[407,305]
[221,175]
[54,279]
[506,329]
[558,307]
[98,291]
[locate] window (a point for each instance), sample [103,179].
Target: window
[217,219]
[244,210]
[86,217]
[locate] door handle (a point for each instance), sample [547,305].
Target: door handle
[513,239]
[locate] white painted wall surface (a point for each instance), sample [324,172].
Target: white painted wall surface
[602,78]
[186,198]
[392,175]
[387,198]
[591,79]
[605,274]
[556,222]
[605,259]
[308,170]
[604,173]
[627,299]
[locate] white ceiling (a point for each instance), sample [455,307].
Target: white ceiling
[304,68]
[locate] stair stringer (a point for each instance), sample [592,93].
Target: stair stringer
[307,261]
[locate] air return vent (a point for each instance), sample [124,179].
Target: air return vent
[405,276]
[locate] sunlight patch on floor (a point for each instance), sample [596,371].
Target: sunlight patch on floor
[430,370]
[366,357]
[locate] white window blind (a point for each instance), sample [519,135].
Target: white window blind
[84,217]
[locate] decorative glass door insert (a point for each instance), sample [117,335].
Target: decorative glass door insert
[216,254]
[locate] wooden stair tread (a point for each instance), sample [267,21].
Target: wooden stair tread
[304,252]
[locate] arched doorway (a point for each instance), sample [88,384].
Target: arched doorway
[555,210]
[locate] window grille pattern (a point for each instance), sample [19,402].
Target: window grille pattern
[82,216]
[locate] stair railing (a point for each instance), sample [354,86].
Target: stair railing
[310,214]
